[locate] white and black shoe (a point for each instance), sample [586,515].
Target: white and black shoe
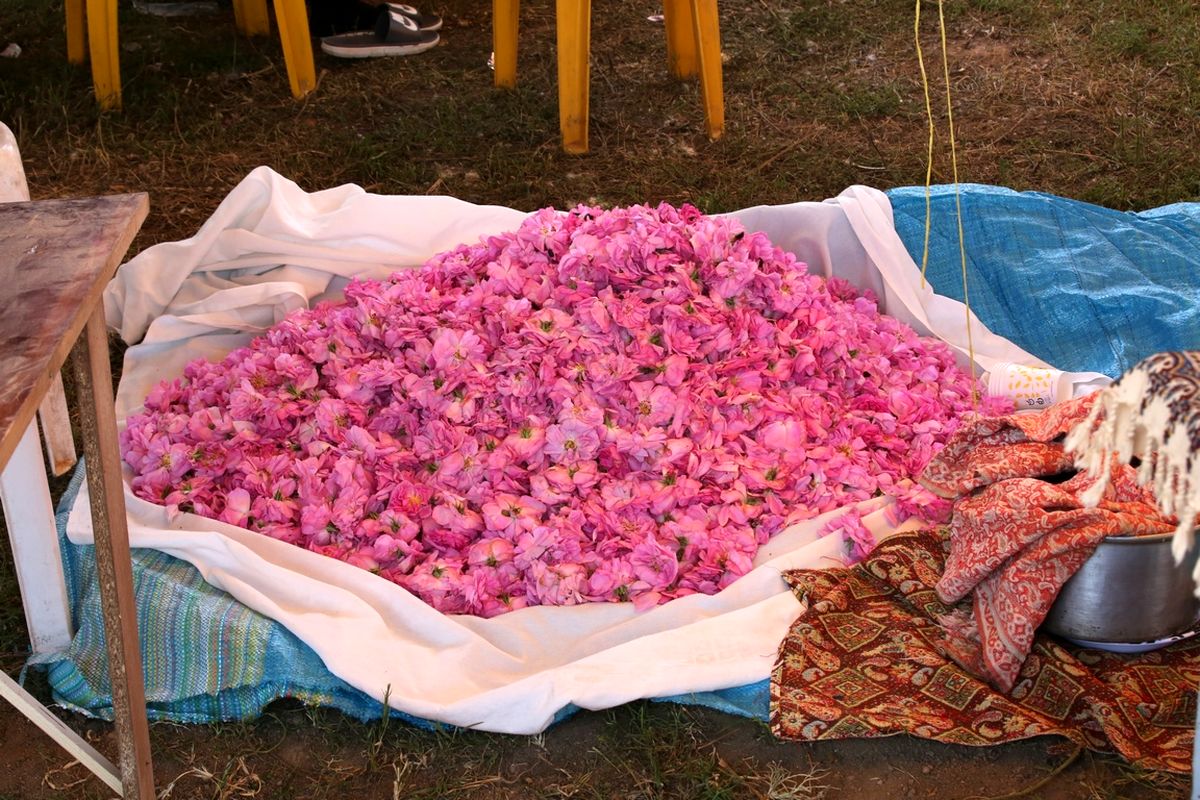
[395,34]
[426,22]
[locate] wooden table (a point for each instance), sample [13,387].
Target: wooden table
[55,258]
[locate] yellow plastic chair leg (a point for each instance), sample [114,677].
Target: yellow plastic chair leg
[574,41]
[708,45]
[102,42]
[681,38]
[76,32]
[251,17]
[504,41]
[292,18]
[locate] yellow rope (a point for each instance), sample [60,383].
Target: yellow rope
[962,247]
[932,130]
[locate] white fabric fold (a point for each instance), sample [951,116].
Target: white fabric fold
[271,248]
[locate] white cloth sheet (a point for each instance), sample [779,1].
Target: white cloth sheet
[271,248]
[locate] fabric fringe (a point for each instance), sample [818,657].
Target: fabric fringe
[1152,413]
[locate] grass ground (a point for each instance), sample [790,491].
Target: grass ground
[1097,100]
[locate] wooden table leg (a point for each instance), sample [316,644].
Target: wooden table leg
[113,566]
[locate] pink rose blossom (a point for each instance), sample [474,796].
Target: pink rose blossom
[603,405]
[510,514]
[571,442]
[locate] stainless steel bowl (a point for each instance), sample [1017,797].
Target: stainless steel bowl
[1129,591]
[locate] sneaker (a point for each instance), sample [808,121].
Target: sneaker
[395,34]
[426,22]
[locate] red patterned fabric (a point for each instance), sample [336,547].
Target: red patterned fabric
[1015,537]
[988,449]
[869,659]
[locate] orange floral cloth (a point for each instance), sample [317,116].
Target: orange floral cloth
[868,659]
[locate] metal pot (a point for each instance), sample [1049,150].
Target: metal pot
[1129,591]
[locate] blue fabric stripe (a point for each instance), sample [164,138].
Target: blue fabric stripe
[208,658]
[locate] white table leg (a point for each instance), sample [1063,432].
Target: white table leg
[29,514]
[56,428]
[53,727]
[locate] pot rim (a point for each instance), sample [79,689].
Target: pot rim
[1153,538]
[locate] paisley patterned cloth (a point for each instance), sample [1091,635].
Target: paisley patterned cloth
[1017,537]
[868,659]
[989,449]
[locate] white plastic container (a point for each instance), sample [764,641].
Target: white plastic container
[1031,388]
